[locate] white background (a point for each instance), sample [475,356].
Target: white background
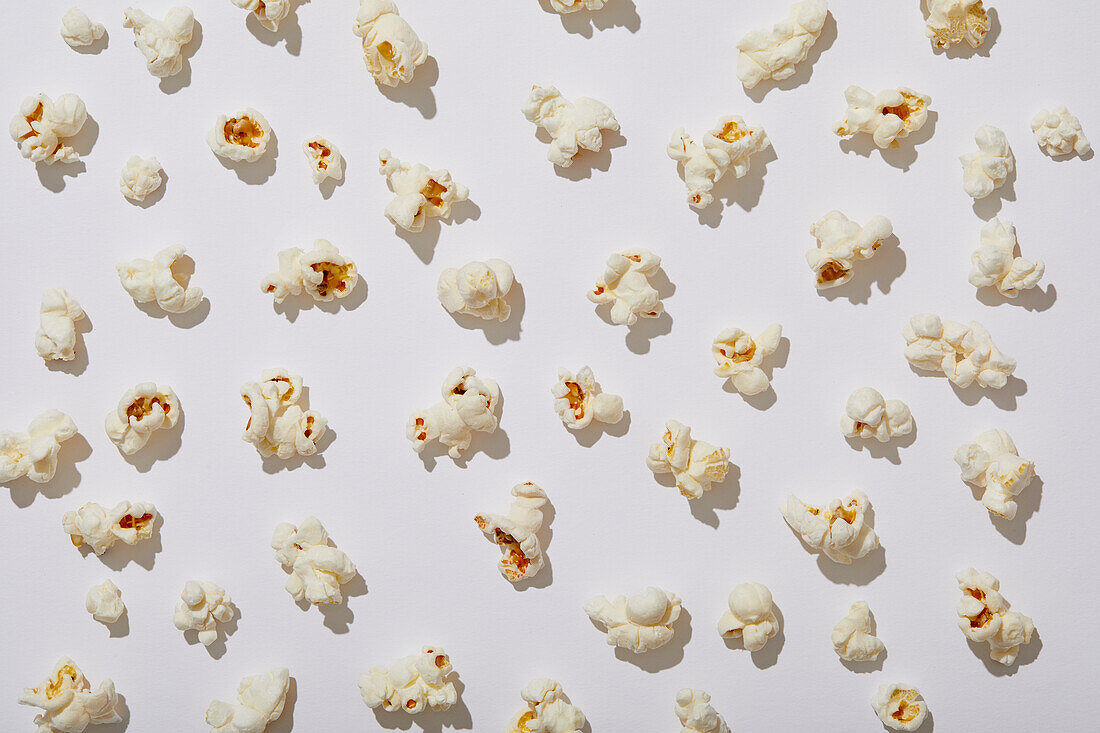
[429,577]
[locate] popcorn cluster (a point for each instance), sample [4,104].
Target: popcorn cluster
[241,139]
[317,569]
[78,30]
[729,146]
[963,354]
[751,616]
[68,703]
[324,159]
[989,167]
[841,243]
[1059,133]
[839,529]
[641,622]
[995,264]
[419,194]
[984,616]
[161,42]
[260,700]
[34,453]
[391,48]
[955,21]
[869,415]
[696,714]
[695,464]
[517,533]
[100,528]
[854,637]
[477,289]
[202,605]
[42,125]
[145,408]
[625,286]
[469,405]
[140,177]
[572,126]
[413,684]
[888,116]
[322,273]
[104,602]
[277,425]
[578,400]
[157,281]
[56,335]
[773,54]
[740,357]
[899,706]
[992,463]
[548,709]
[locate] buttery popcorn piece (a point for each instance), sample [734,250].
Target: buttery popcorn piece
[548,709]
[277,425]
[900,707]
[841,243]
[104,602]
[578,400]
[41,126]
[994,263]
[984,616]
[78,30]
[68,703]
[242,138]
[992,463]
[773,54]
[640,623]
[955,21]
[838,529]
[625,286]
[517,533]
[157,281]
[268,12]
[888,116]
[571,6]
[391,48]
[56,335]
[964,354]
[161,42]
[469,404]
[34,453]
[200,608]
[740,357]
[477,289]
[419,194]
[1059,133]
[260,700]
[694,463]
[322,273]
[572,126]
[853,636]
[143,409]
[317,568]
[868,415]
[751,616]
[412,684]
[989,167]
[101,528]
[729,146]
[696,714]
[140,177]
[324,159]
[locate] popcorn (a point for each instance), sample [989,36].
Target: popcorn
[242,138]
[517,533]
[260,700]
[419,194]
[729,146]
[277,425]
[104,602]
[694,710]
[887,116]
[161,41]
[740,357]
[391,47]
[322,273]
[469,403]
[147,281]
[477,289]
[324,159]
[571,6]
[200,607]
[773,54]
[955,21]
[694,463]
[984,616]
[1058,133]
[317,568]
[992,463]
[625,286]
[412,684]
[868,415]
[101,528]
[578,400]
[548,709]
[841,243]
[140,177]
[640,623]
[751,616]
[78,30]
[268,12]
[56,335]
[34,453]
[853,636]
[994,263]
[900,707]
[143,409]
[964,354]
[989,167]
[68,703]
[42,125]
[839,529]
[571,125]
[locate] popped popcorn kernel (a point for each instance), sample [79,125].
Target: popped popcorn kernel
[641,622]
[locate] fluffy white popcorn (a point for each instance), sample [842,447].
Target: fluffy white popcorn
[695,464]
[260,700]
[419,194]
[773,54]
[571,6]
[548,708]
[1059,133]
[517,533]
[853,636]
[751,616]
[887,116]
[899,706]
[104,602]
[68,703]
[841,243]
[839,529]
[578,400]
[322,273]
[740,357]
[868,414]
[413,683]
[201,607]
[469,404]
[477,289]
[156,281]
[954,21]
[242,138]
[984,616]
[268,12]
[992,463]
[625,286]
[729,146]
[34,453]
[41,126]
[571,125]
[143,409]
[101,528]
[277,425]
[140,177]
[990,166]
[161,42]
[56,335]
[317,568]
[994,262]
[641,622]
[964,354]
[78,30]
[696,714]
[324,159]
[391,48]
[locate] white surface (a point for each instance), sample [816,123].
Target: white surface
[432,578]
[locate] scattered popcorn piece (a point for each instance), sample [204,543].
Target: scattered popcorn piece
[964,354]
[740,357]
[322,273]
[324,159]
[477,289]
[34,453]
[888,116]
[419,194]
[696,714]
[984,616]
[868,415]
[989,167]
[751,616]
[854,639]
[104,602]
[773,54]
[157,281]
[899,706]
[955,21]
[391,48]
[841,243]
[625,286]
[571,6]
[200,607]
[641,622]
[571,125]
[260,700]
[548,708]
[101,528]
[839,529]
[143,409]
[994,263]
[469,403]
[578,400]
[992,463]
[140,177]
[41,126]
[317,568]
[68,703]
[78,30]
[412,684]
[517,533]
[268,12]
[1059,133]
[161,42]
[56,335]
[729,146]
[277,425]
[242,138]
[694,463]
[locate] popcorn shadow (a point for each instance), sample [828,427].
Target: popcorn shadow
[619,14]
[585,161]
[1028,654]
[963,50]
[423,242]
[120,628]
[78,363]
[457,717]
[416,93]
[292,305]
[1070,156]
[290,30]
[886,266]
[744,191]
[123,711]
[257,173]
[875,665]
[96,47]
[274,464]
[328,186]
[804,70]
[1032,299]
[52,176]
[176,82]
[285,723]
[152,198]
[639,336]
[216,649]
[120,554]
[769,655]
[545,576]
[763,400]
[861,571]
[23,490]
[589,436]
[498,332]
[339,616]
[1005,398]
[887,450]
[988,207]
[662,658]
[162,445]
[901,157]
[928,726]
[1027,503]
[722,496]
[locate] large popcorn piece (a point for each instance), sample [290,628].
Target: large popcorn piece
[104,602]
[899,706]
[995,264]
[695,464]
[1059,133]
[984,616]
[989,167]
[143,409]
[242,138]
[419,194]
[317,569]
[157,281]
[413,684]
[696,714]
[322,273]
[469,405]
[868,414]
[751,616]
[324,159]
[268,12]
[42,125]
[100,528]
[964,354]
[625,286]
[68,703]
[578,400]
[992,463]
[640,623]
[839,529]
[841,243]
[571,125]
[78,30]
[200,608]
[477,289]
[56,335]
[517,533]
[391,48]
[729,146]
[773,54]
[571,6]
[277,425]
[954,21]
[740,357]
[548,710]
[853,636]
[161,42]
[34,453]
[140,177]
[888,116]
[260,700]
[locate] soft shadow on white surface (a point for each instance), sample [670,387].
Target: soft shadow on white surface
[416,93]
[586,161]
[887,264]
[423,242]
[901,157]
[723,496]
[52,176]
[144,553]
[763,400]
[875,665]
[216,649]
[498,332]
[290,30]
[292,305]
[285,723]
[23,491]
[1032,299]
[861,571]
[1027,503]
[986,208]
[257,173]
[119,628]
[338,617]
[1028,654]
[430,721]
[162,445]
[95,47]
[1004,398]
[729,190]
[616,14]
[176,82]
[495,445]
[590,435]
[887,450]
[662,658]
[123,711]
[804,70]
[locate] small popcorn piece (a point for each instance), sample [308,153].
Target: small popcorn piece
[854,637]
[992,463]
[751,616]
[869,415]
[995,264]
[841,243]
[965,354]
[78,30]
[579,401]
[888,116]
[641,622]
[414,683]
[773,54]
[141,411]
[696,714]
[391,48]
[68,703]
[268,12]
[695,464]
[158,281]
[242,138]
[1059,133]
[729,146]
[419,194]
[140,177]
[572,126]
[161,42]
[899,706]
[322,273]
[277,425]
[100,528]
[469,405]
[324,159]
[317,568]
[989,167]
[548,709]
[740,357]
[56,335]
[984,617]
[41,127]
[201,607]
[34,453]
[839,529]
[260,700]
[477,289]
[517,533]
[625,286]
[955,21]
[104,602]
